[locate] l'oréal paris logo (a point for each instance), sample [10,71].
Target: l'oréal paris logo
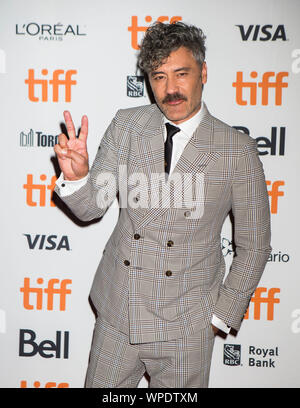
[50,32]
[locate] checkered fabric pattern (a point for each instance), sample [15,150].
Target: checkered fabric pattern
[178,363]
[162,273]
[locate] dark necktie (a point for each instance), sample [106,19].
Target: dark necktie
[171,130]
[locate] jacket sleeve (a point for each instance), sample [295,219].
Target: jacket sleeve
[94,198]
[250,207]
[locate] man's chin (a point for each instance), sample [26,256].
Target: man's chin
[176,118]
[172,114]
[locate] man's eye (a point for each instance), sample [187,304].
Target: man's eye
[158,77]
[182,74]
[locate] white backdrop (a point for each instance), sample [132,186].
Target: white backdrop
[76,55]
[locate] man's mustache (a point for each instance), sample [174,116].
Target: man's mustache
[174,97]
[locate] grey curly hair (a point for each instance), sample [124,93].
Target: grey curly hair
[161,39]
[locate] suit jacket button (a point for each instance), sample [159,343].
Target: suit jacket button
[136,236]
[170,243]
[126,262]
[187,214]
[169,273]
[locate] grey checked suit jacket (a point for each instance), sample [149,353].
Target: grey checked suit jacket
[162,272]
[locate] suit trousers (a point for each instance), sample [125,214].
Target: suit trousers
[179,363]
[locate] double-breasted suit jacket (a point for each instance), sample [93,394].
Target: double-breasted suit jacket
[162,274]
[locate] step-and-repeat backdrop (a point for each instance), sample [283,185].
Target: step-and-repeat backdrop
[81,56]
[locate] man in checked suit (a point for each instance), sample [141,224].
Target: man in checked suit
[160,290]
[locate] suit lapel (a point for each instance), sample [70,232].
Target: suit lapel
[150,145]
[198,156]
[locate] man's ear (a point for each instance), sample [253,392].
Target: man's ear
[204,73]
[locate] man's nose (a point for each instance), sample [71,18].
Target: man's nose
[171,86]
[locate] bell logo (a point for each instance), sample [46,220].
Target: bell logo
[30,187]
[276,145]
[54,287]
[135,29]
[269,300]
[265,85]
[60,78]
[28,347]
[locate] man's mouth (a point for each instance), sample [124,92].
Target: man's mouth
[174,99]
[176,102]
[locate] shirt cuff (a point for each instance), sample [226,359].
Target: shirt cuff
[68,187]
[220,324]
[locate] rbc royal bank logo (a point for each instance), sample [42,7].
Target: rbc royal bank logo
[135,86]
[232,354]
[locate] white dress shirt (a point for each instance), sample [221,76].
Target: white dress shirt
[180,139]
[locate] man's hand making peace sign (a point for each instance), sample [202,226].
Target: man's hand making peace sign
[72,152]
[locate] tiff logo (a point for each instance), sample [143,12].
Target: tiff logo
[48,384]
[265,86]
[60,78]
[274,193]
[30,187]
[33,296]
[269,300]
[135,29]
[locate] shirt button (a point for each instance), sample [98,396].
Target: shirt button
[136,236]
[169,273]
[63,185]
[170,243]
[126,262]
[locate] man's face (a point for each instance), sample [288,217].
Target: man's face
[177,85]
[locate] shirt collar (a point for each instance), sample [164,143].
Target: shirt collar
[189,126]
